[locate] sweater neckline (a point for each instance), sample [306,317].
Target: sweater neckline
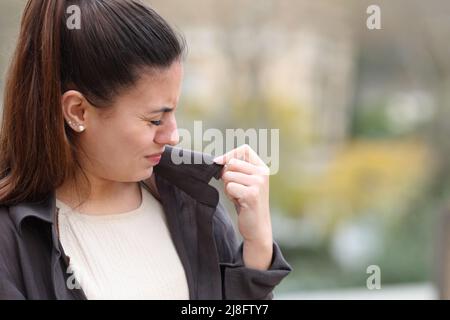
[67,210]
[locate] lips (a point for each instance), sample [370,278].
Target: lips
[153,160]
[155,154]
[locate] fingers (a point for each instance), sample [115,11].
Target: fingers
[242,178]
[245,177]
[245,167]
[244,152]
[235,190]
[244,182]
[242,195]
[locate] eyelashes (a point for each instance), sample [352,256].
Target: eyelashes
[156,122]
[152,122]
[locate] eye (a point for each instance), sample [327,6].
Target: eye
[156,122]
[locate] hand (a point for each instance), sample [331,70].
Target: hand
[246,179]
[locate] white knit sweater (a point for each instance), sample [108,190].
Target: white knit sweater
[123,256]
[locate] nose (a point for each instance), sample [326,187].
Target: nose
[168,132]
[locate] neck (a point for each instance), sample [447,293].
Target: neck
[106,196]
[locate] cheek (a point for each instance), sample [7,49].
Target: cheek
[139,141]
[118,150]
[120,145]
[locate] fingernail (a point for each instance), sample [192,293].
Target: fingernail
[218,160]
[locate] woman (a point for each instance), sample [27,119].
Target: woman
[92,205]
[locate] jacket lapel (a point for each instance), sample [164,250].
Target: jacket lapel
[190,218]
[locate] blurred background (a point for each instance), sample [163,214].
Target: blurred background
[364,172]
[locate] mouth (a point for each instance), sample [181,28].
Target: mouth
[154,158]
[154,155]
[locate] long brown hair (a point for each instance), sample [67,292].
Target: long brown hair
[38,151]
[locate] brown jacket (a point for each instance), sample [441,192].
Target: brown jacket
[33,264]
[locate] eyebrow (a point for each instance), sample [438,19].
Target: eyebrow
[162,110]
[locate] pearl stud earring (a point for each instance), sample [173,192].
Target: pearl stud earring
[81,128]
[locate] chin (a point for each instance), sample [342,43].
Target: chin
[149,173]
[145,174]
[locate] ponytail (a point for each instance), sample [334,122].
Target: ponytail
[32,146]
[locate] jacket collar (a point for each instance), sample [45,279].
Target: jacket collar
[192,176]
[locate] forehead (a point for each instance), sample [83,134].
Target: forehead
[154,89]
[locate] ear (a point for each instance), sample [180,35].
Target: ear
[74,106]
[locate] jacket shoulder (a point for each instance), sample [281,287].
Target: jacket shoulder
[11,280]
[8,242]
[6,223]
[8,233]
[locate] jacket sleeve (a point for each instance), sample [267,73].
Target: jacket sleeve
[238,281]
